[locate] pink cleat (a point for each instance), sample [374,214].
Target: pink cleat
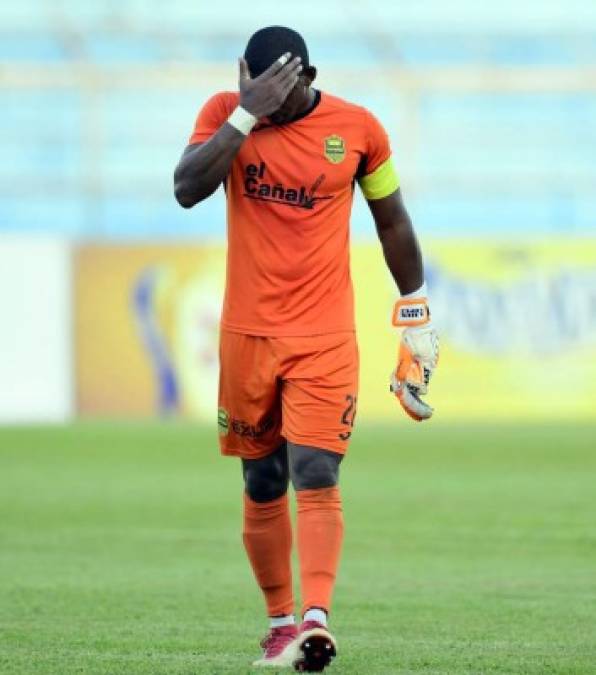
[315,648]
[279,648]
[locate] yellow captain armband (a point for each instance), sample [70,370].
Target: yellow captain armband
[381,182]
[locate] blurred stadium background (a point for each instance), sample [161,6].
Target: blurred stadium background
[109,303]
[491,112]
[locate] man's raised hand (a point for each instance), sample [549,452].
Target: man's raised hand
[265,94]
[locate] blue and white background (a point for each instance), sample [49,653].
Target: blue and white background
[491,109]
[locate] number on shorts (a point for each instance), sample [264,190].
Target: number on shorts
[349,416]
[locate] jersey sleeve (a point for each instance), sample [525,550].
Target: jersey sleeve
[212,115]
[377,176]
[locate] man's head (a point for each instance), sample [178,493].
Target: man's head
[267,45]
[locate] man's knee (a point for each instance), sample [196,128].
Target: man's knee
[266,479]
[313,468]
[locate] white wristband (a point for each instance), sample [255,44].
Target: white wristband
[420,293]
[242,120]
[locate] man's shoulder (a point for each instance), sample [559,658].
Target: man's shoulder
[224,99]
[338,104]
[355,115]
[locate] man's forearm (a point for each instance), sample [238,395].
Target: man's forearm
[400,246]
[403,256]
[203,167]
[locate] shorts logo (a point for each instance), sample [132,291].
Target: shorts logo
[254,431]
[335,149]
[223,421]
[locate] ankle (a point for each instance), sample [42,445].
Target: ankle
[316,614]
[284,620]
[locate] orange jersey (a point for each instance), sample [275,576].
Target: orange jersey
[289,197]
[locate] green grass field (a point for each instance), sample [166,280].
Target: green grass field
[468,550]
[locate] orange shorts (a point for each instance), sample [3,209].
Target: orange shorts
[302,389]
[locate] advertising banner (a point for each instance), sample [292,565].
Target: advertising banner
[517,325]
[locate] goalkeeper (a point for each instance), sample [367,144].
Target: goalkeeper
[288,156]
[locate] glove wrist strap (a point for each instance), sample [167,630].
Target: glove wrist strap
[410,312]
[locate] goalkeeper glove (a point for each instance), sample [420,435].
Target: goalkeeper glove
[418,354]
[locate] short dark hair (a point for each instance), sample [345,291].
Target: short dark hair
[269,43]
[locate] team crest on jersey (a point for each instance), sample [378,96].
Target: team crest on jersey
[335,148]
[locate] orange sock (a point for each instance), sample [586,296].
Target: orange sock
[320,534]
[268,541]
